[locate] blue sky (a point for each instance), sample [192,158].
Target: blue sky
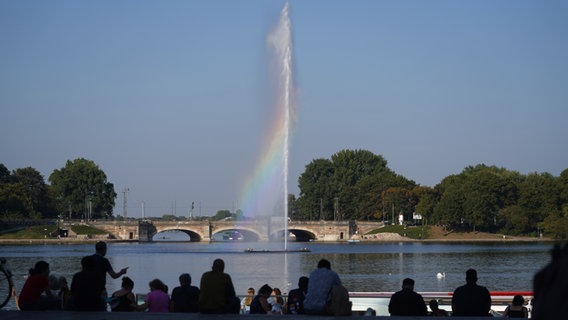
[170,98]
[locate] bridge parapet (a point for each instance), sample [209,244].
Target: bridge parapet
[257,230]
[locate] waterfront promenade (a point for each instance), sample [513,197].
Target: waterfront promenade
[67,315]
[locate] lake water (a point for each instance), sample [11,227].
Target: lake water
[366,267]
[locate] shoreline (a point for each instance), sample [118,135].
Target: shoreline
[380,238]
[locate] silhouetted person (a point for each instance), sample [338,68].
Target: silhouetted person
[436,311]
[217,293]
[406,302]
[102,267]
[259,304]
[185,298]
[471,299]
[320,283]
[551,287]
[157,300]
[36,294]
[123,300]
[516,309]
[86,288]
[295,303]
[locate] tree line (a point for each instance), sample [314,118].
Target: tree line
[351,185]
[358,185]
[79,190]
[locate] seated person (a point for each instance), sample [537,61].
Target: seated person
[123,300]
[36,294]
[157,300]
[259,304]
[185,298]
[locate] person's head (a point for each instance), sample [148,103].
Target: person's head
[323,263]
[250,291]
[184,279]
[265,290]
[157,284]
[101,248]
[53,282]
[471,276]
[433,305]
[127,283]
[276,292]
[41,267]
[303,283]
[88,263]
[408,284]
[218,265]
[518,300]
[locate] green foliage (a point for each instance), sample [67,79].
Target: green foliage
[222,214]
[83,229]
[81,185]
[33,232]
[484,198]
[348,186]
[24,194]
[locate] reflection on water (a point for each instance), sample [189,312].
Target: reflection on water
[362,267]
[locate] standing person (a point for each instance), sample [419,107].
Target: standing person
[320,283]
[259,304]
[86,289]
[549,284]
[295,303]
[102,267]
[471,299]
[185,298]
[406,302]
[217,293]
[37,284]
[516,309]
[157,300]
[124,298]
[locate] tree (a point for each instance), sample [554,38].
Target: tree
[14,204]
[347,187]
[24,194]
[315,191]
[540,195]
[4,174]
[425,199]
[81,188]
[36,191]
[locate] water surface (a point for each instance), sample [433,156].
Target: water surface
[501,266]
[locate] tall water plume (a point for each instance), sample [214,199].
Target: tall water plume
[266,194]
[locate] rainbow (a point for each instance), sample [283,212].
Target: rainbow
[265,193]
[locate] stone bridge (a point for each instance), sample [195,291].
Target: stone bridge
[257,230]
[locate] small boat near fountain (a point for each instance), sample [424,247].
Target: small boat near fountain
[252,250]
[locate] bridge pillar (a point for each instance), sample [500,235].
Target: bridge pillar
[146,230]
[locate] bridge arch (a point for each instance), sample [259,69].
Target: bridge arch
[193,235]
[249,234]
[301,234]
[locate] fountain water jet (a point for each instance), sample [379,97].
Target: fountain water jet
[267,192]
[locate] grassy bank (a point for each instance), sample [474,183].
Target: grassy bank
[46,232]
[436,233]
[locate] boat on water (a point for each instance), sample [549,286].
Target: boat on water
[252,250]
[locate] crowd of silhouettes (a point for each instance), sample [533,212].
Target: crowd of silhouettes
[321,293]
